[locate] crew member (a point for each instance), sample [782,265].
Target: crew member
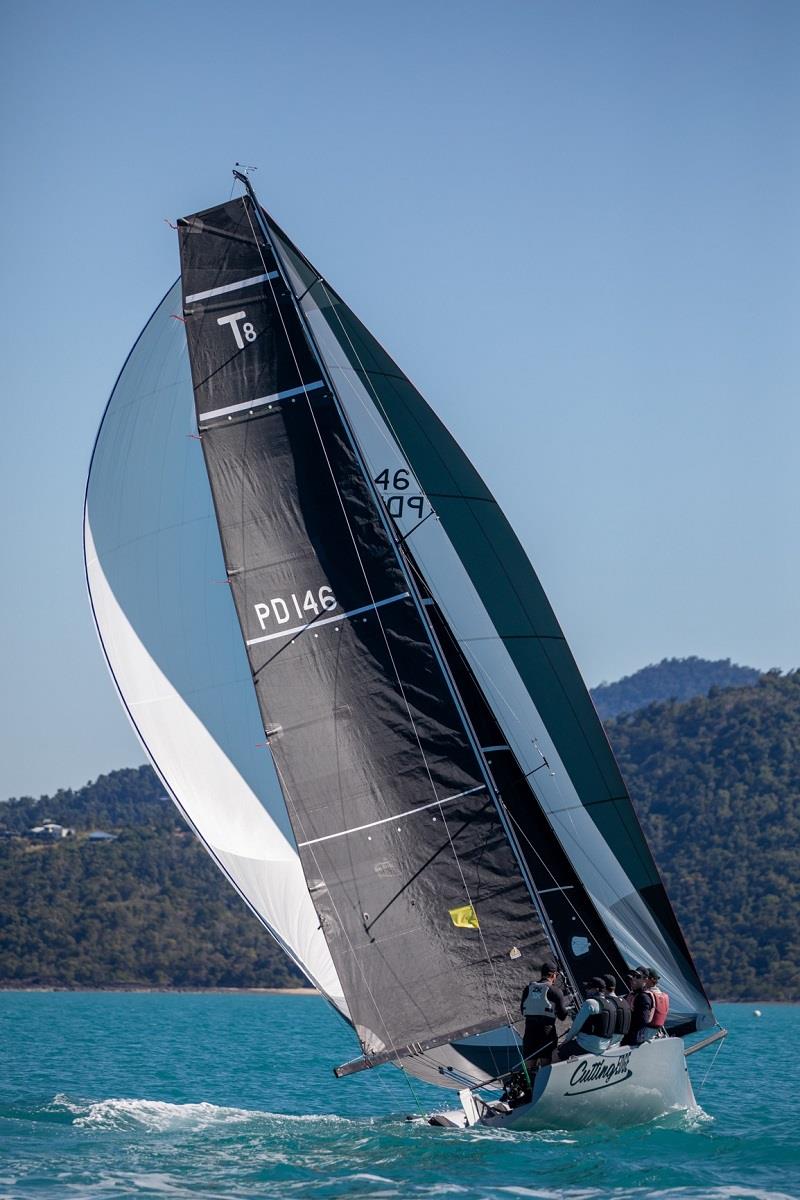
[593,1027]
[623,1013]
[542,1004]
[658,1018]
[642,1007]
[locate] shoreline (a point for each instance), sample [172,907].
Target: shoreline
[257,991]
[123,987]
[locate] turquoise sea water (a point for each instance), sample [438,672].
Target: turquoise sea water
[227,1095]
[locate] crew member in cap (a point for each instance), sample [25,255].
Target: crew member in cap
[642,1007]
[592,1030]
[542,1004]
[656,1027]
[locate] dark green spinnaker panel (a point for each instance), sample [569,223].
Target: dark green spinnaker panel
[524,621]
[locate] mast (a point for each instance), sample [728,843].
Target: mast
[413,589]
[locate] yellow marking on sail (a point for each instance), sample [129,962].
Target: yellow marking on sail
[465,917]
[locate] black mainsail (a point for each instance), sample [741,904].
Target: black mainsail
[429,917]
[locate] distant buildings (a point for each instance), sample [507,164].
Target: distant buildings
[49,829]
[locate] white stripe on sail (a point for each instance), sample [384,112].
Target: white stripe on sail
[354,612]
[398,816]
[231,287]
[246,405]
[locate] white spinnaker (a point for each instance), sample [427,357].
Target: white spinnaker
[618,903]
[157,624]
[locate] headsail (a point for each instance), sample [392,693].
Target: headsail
[490,598]
[156,579]
[430,922]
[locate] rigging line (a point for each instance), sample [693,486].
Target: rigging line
[430,859]
[388,648]
[459,702]
[380,405]
[342,926]
[401,540]
[287,793]
[342,504]
[547,868]
[711,1065]
[489,958]
[310,286]
[462,716]
[411,1088]
[347,370]
[366,375]
[369,589]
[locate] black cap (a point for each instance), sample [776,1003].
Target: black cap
[610,982]
[651,973]
[595,984]
[548,967]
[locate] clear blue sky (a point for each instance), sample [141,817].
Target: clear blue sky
[575,225]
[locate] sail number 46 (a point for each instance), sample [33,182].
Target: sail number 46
[398,483]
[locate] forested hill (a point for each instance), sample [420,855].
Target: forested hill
[671,679]
[716,780]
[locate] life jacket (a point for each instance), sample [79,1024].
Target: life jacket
[660,1009]
[622,1023]
[537,1002]
[601,1024]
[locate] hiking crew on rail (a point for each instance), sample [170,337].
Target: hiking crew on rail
[603,1020]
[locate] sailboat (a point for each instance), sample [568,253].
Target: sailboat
[347,675]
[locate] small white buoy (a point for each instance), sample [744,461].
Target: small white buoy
[756,1012]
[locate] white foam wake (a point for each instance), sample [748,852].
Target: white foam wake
[162,1116]
[157,1115]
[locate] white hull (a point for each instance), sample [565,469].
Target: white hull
[628,1085]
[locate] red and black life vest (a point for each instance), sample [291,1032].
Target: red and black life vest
[660,1009]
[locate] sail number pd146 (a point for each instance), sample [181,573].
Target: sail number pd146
[311,606]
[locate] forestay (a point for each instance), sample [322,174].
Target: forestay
[431,926]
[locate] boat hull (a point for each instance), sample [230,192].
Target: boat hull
[628,1085]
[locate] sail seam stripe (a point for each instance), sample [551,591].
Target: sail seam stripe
[262,400]
[231,287]
[397,817]
[354,612]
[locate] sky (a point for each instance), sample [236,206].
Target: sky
[574,225]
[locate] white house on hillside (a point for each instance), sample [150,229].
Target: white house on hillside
[49,829]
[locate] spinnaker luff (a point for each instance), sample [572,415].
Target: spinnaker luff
[455,806]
